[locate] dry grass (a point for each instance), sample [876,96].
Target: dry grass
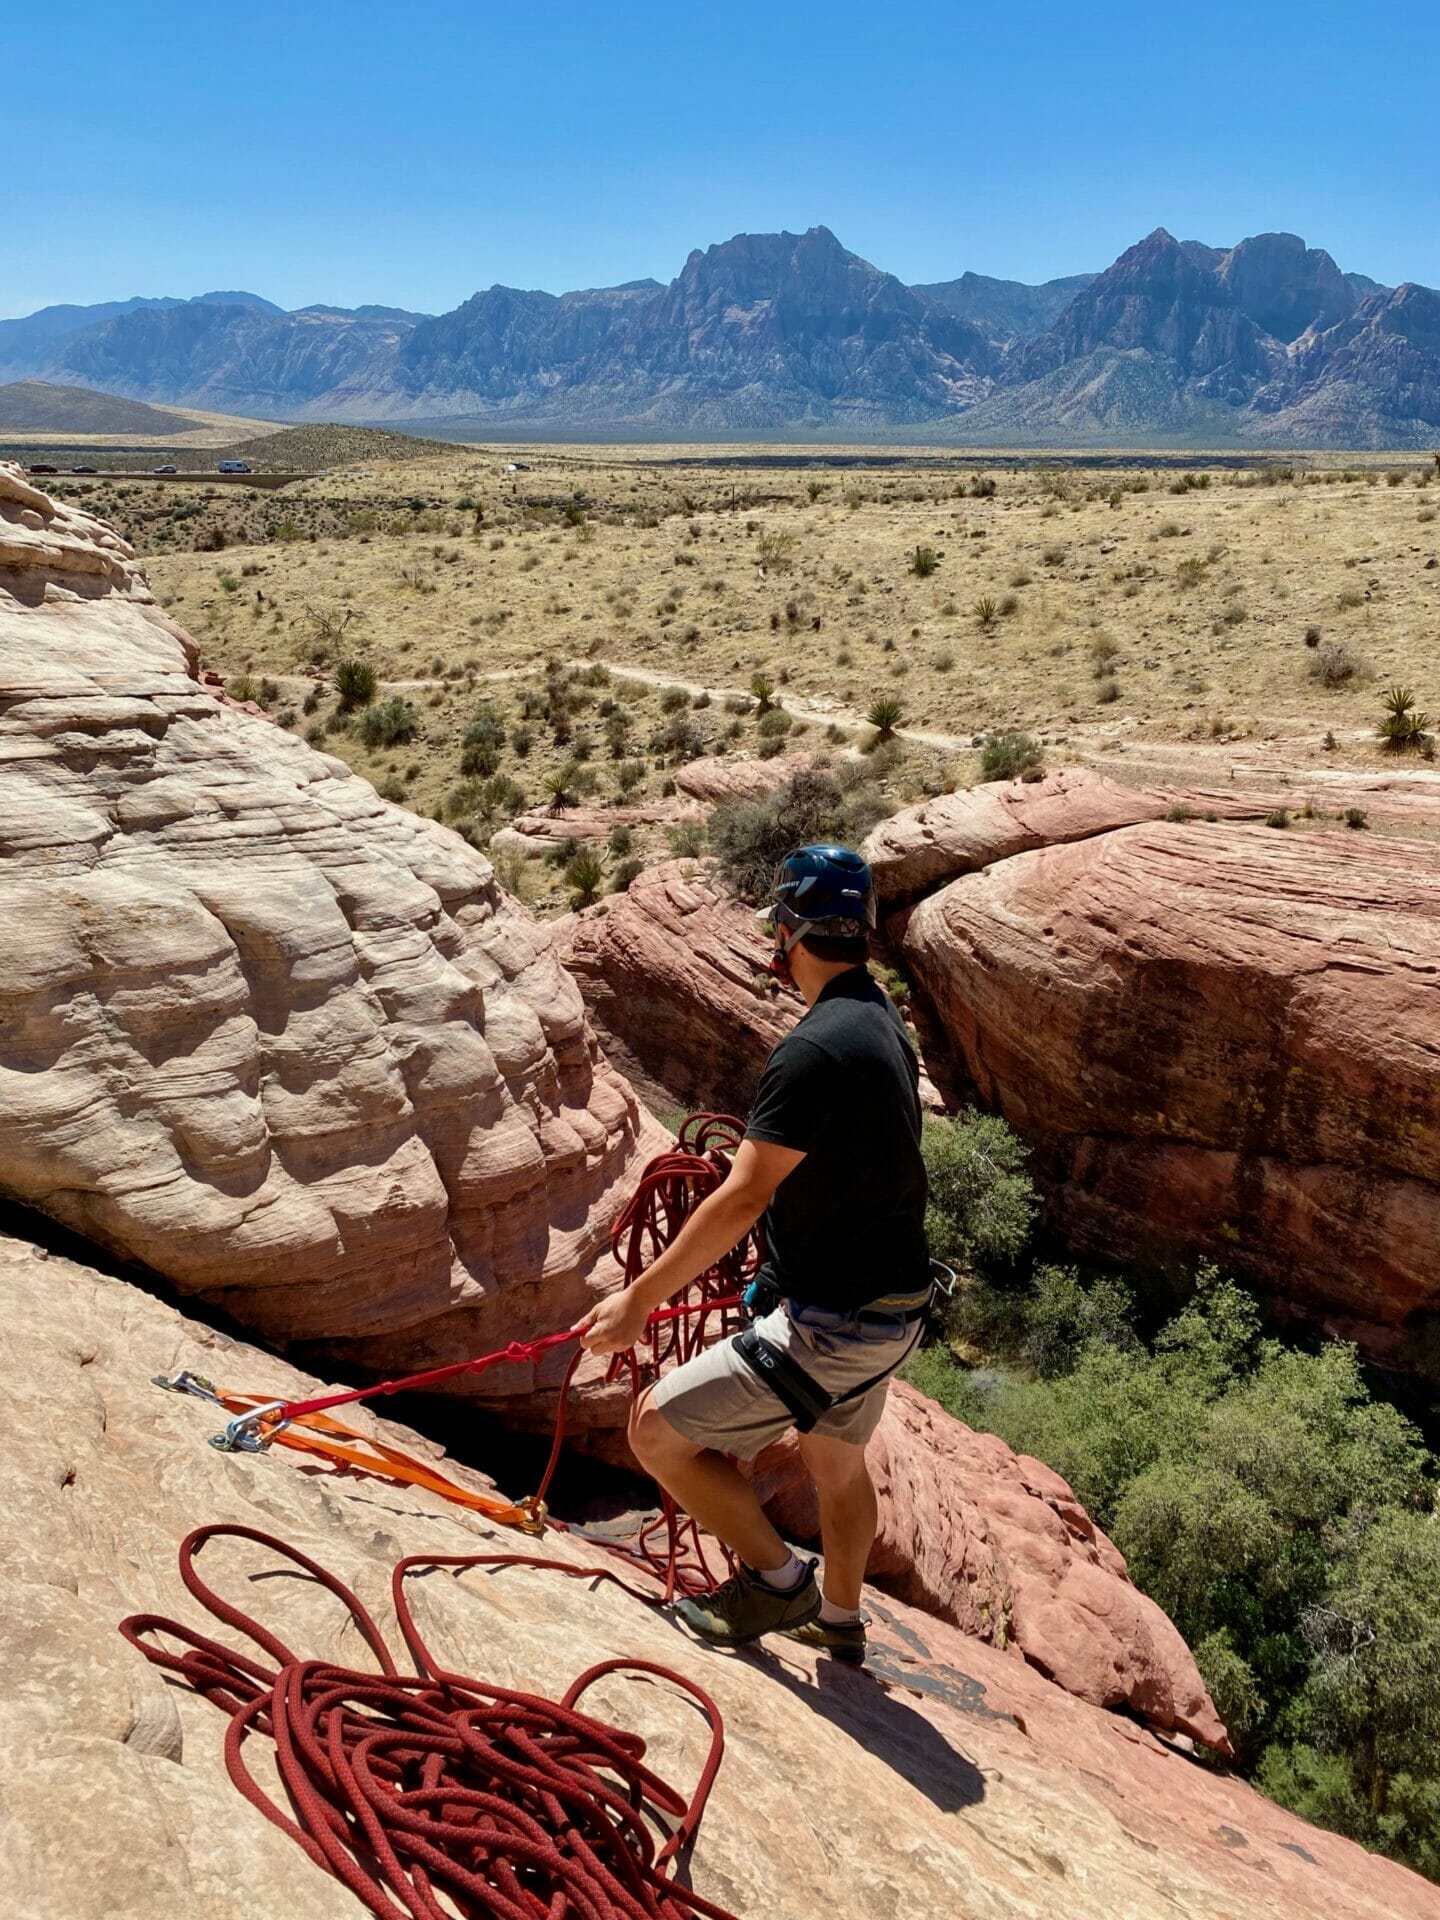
[1105,610]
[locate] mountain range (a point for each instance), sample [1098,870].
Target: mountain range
[1265,342]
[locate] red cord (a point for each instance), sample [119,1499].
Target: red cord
[409,1791]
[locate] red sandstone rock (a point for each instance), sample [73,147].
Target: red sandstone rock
[716,779]
[920,849]
[595,823]
[998,1545]
[675,970]
[1222,1039]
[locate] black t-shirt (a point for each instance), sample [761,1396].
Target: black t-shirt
[848,1225]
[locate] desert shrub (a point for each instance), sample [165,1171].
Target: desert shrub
[1349,598]
[1279,818]
[622,839]
[355,683]
[983,486]
[1053,556]
[629,775]
[1107,690]
[1011,756]
[479,761]
[677,740]
[687,840]
[1190,572]
[388,723]
[1282,1517]
[885,715]
[625,872]
[1179,813]
[982,1201]
[673,699]
[1312,636]
[749,838]
[776,722]
[241,686]
[584,872]
[775,550]
[1334,664]
[1355,818]
[924,561]
[1103,649]
[1403,726]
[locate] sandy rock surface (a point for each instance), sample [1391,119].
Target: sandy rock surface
[282,1042]
[1223,1039]
[950,1779]
[997,1544]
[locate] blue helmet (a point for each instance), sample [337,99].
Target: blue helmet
[826,889]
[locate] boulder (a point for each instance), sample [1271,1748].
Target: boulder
[945,1778]
[997,1544]
[716,778]
[1221,1039]
[920,849]
[545,828]
[674,969]
[281,1042]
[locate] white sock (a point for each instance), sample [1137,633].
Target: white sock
[834,1616]
[787,1575]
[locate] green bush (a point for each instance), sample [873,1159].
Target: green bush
[389,723]
[1281,1516]
[982,1200]
[584,871]
[924,562]
[749,838]
[1011,756]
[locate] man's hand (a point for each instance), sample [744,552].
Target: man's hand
[616,1323]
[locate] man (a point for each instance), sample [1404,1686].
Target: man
[831,1157]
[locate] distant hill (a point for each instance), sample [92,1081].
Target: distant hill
[1264,342]
[320,447]
[35,406]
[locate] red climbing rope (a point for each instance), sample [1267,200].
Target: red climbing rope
[669,1549]
[441,1795]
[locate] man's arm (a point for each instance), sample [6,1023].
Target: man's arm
[720,1222]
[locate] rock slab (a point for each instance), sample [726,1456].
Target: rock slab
[947,1778]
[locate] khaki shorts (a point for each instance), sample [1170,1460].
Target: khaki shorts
[717,1401]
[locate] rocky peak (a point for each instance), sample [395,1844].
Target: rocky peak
[1285,286]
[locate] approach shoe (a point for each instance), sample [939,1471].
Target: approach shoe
[744,1608]
[841,1639]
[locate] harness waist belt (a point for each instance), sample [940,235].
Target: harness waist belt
[802,1396]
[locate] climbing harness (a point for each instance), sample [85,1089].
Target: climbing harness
[441,1794]
[799,1392]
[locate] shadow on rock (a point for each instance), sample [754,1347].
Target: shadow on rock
[861,1701]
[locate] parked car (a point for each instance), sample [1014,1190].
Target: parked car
[232,466]
[38,468]
[164,469]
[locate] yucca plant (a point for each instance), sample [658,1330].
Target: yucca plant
[584,872]
[1402,726]
[885,715]
[560,786]
[986,611]
[763,689]
[925,562]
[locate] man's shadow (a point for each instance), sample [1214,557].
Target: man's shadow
[862,1702]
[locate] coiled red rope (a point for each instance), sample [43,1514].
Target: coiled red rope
[439,1795]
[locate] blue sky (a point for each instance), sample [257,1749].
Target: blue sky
[411,154]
